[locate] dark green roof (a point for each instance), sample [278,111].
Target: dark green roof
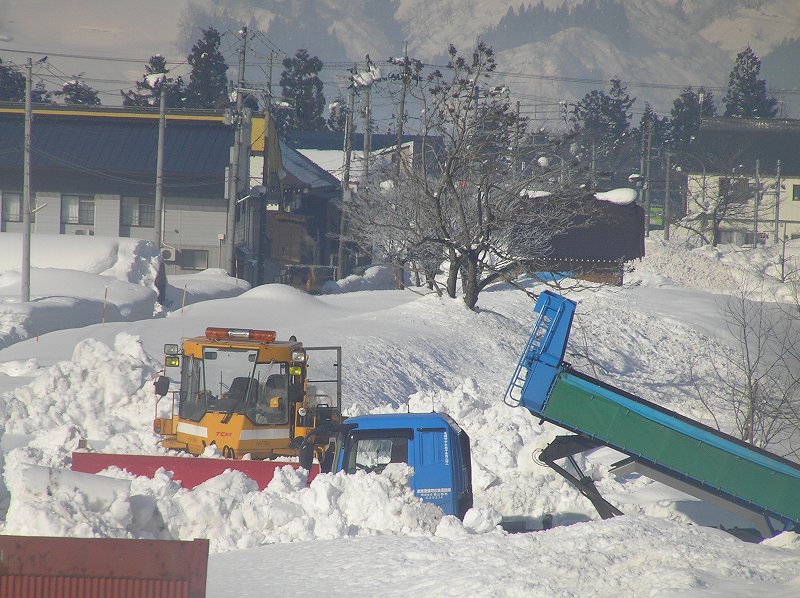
[116,154]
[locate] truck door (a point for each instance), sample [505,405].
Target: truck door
[433,468]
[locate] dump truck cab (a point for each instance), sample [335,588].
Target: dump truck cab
[245,392]
[432,443]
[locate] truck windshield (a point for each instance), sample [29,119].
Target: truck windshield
[372,453]
[228,380]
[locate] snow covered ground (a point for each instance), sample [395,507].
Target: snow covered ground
[365,535]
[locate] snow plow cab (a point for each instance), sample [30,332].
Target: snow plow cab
[247,393]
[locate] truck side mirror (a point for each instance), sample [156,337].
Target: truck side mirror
[161,385]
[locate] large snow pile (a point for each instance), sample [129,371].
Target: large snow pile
[130,260]
[76,281]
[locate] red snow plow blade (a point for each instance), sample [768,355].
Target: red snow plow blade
[188,471]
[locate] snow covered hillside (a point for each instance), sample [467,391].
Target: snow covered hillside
[366,534]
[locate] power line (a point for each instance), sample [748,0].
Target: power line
[76,56]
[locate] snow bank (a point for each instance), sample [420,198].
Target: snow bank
[130,260]
[213,283]
[374,279]
[228,509]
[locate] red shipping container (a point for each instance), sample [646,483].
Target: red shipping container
[42,567]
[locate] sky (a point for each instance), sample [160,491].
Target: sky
[366,534]
[91,28]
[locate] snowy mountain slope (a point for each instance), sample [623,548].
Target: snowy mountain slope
[675,42]
[659,41]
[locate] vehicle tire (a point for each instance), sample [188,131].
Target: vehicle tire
[306,456]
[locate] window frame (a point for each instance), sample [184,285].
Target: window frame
[195,253]
[6,196]
[139,211]
[83,210]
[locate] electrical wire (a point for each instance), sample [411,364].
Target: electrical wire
[210,181]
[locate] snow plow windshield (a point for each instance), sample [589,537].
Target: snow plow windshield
[232,381]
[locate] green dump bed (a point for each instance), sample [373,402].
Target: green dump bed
[682,448]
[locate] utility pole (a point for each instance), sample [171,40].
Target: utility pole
[647,180]
[665,213]
[777,201]
[233,174]
[159,201]
[402,115]
[516,144]
[756,201]
[25,283]
[367,126]
[269,78]
[348,148]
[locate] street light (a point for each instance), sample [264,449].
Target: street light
[543,162]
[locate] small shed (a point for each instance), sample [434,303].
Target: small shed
[604,236]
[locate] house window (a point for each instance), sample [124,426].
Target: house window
[137,211]
[194,259]
[734,190]
[77,209]
[12,207]
[795,192]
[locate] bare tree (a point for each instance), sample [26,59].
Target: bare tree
[724,197]
[470,200]
[758,380]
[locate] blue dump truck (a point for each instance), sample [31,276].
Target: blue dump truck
[656,442]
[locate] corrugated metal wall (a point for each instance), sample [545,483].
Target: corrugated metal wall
[39,567]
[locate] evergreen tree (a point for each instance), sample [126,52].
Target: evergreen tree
[337,117]
[604,117]
[146,92]
[302,90]
[747,94]
[687,111]
[78,92]
[40,95]
[661,133]
[12,84]
[12,87]
[208,83]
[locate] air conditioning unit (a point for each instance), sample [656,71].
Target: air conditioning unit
[81,231]
[169,254]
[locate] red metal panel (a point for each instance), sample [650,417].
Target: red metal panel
[38,567]
[189,471]
[16,586]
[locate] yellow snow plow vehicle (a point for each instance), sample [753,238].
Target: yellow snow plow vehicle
[247,393]
[250,396]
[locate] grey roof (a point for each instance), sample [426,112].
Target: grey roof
[303,173]
[117,153]
[724,142]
